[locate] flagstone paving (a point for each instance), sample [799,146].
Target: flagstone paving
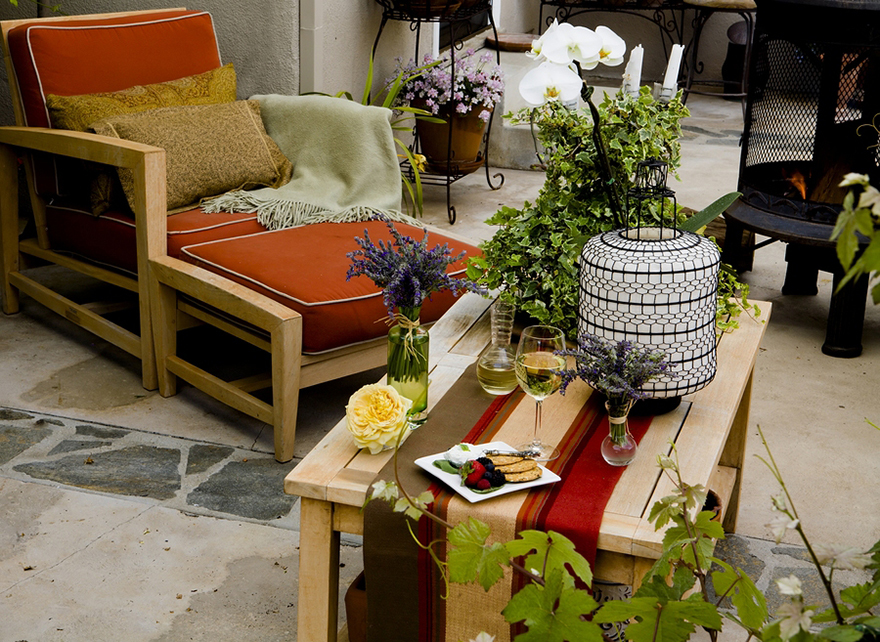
[180,473]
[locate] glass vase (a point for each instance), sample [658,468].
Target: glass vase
[408,347]
[619,447]
[495,366]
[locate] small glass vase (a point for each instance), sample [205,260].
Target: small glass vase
[408,347]
[495,366]
[619,447]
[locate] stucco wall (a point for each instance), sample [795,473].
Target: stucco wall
[261,37]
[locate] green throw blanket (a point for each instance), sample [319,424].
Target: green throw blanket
[345,165]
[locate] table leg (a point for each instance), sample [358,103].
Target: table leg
[318,573]
[734,453]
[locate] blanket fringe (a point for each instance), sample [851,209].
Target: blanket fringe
[277,214]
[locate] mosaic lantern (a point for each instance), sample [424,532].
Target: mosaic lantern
[655,286]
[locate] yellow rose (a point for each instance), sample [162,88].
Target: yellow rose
[375,415]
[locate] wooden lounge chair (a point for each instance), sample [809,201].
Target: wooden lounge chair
[186,268]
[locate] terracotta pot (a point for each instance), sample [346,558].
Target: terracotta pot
[427,8]
[467,139]
[356,610]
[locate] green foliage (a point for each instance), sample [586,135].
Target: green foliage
[673,598]
[750,604]
[533,255]
[550,551]
[553,612]
[471,558]
[859,218]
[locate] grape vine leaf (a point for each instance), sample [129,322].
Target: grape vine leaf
[470,558]
[842,633]
[751,606]
[553,612]
[659,619]
[557,549]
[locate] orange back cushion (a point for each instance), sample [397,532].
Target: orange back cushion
[99,55]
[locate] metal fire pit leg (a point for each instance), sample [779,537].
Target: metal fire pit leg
[846,318]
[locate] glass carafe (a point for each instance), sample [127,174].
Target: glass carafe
[495,367]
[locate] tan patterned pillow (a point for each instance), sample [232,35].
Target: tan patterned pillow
[209,149]
[78,112]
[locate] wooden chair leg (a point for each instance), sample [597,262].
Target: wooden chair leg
[9,255]
[286,361]
[163,310]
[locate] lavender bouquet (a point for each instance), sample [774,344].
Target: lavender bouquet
[616,369]
[408,273]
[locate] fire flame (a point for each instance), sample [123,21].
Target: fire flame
[799,182]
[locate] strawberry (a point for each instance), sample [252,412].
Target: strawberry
[473,472]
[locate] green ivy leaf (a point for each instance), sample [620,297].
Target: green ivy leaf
[554,612]
[556,549]
[470,558]
[841,633]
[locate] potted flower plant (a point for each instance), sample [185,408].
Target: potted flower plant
[618,370]
[461,100]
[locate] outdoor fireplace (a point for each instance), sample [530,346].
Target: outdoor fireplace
[814,97]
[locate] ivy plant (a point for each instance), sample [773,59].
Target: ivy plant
[533,255]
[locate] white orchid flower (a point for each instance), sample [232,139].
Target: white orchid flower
[613,47]
[549,81]
[538,44]
[790,585]
[568,43]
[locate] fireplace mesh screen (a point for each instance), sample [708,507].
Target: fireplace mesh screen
[810,122]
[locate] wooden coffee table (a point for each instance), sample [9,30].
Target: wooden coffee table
[334,478]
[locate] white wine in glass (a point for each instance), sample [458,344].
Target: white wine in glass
[539,373]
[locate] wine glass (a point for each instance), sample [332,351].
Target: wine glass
[539,374]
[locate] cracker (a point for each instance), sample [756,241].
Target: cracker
[518,467]
[504,460]
[527,475]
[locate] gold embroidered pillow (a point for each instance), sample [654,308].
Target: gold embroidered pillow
[78,112]
[209,149]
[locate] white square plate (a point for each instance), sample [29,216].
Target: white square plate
[454,481]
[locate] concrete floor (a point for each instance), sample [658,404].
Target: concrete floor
[83,564]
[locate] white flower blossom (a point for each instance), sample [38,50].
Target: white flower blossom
[790,585]
[870,199]
[384,490]
[779,524]
[538,44]
[569,43]
[613,47]
[666,462]
[794,618]
[548,82]
[483,637]
[847,558]
[780,503]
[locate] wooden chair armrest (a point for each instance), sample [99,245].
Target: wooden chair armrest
[233,298]
[81,145]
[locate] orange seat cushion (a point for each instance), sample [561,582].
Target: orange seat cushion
[304,269]
[109,239]
[88,56]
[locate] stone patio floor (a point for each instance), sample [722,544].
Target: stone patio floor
[129,516]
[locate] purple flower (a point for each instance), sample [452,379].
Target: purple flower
[478,82]
[406,270]
[616,369]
